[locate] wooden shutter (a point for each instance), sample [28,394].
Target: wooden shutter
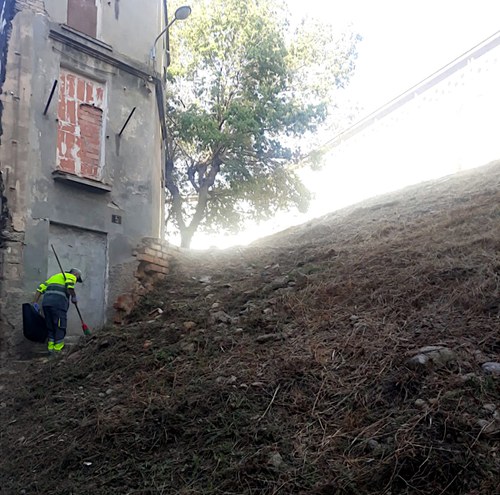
[82,16]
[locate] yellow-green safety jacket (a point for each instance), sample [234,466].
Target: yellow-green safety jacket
[55,290]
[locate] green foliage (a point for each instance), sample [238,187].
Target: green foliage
[241,89]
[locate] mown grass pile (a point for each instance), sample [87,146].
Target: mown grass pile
[284,367]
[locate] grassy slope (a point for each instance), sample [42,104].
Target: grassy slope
[300,386]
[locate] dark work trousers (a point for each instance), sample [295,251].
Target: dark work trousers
[56,321]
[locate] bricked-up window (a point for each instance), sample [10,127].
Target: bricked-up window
[80,127]
[82,16]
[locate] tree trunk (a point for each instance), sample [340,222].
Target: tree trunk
[186,238]
[187,231]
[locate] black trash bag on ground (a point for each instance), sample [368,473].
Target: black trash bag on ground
[34,327]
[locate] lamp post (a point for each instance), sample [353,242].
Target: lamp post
[180,14]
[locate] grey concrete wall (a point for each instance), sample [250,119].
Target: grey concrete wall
[132,163]
[131,30]
[129,26]
[57,10]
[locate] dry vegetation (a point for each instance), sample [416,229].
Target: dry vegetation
[283,368]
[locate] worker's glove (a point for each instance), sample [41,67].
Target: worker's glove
[36,307]
[74,299]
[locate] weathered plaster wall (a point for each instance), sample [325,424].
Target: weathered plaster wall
[118,24]
[120,18]
[132,164]
[15,143]
[57,10]
[7,11]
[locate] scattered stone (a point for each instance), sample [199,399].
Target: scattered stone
[489,407]
[215,305]
[268,337]
[188,346]
[375,446]
[479,357]
[104,344]
[279,283]
[205,279]
[109,391]
[257,384]
[268,311]
[147,344]
[491,368]
[277,461]
[468,377]
[221,317]
[432,355]
[189,325]
[238,331]
[101,394]
[421,403]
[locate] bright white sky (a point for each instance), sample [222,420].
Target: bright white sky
[404,41]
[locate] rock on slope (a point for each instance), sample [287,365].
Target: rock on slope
[345,356]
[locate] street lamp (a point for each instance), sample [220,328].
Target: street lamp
[180,14]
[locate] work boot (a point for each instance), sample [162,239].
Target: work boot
[50,346]
[58,347]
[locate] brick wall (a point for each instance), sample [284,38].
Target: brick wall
[80,119]
[153,258]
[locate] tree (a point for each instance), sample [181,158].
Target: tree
[243,86]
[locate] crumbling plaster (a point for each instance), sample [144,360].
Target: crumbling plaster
[132,163]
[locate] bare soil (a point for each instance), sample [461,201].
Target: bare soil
[282,368]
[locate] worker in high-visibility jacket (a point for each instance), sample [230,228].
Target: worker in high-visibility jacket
[57,292]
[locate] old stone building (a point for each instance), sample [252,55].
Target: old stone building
[82,129]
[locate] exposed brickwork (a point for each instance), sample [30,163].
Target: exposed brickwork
[80,115]
[154,258]
[90,128]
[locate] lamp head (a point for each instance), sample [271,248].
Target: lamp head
[182,13]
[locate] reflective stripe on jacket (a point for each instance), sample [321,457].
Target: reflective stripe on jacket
[57,284]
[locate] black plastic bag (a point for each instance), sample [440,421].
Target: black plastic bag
[34,327]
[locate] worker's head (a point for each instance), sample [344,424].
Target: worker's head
[77,273]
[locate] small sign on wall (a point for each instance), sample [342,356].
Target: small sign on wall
[116,219]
